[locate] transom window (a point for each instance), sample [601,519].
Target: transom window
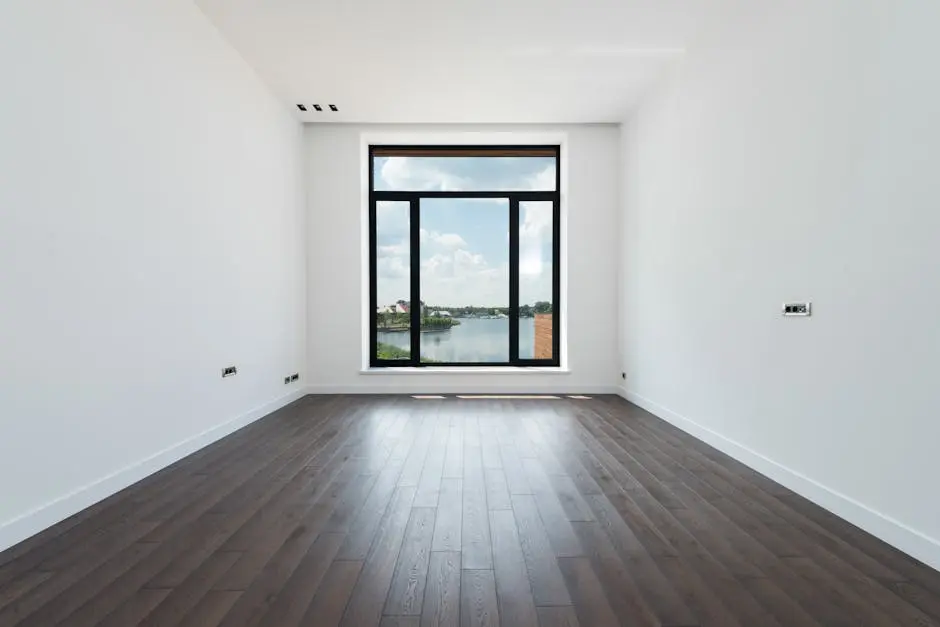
[464,255]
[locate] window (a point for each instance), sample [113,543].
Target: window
[464,255]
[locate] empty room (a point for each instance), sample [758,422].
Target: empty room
[447,313]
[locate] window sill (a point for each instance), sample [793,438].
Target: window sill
[468,370]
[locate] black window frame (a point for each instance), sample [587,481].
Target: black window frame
[414,200]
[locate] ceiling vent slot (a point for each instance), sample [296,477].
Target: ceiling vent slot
[302,107]
[334,108]
[318,107]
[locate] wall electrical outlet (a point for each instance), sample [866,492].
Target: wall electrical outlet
[798,309]
[295,376]
[231,371]
[286,380]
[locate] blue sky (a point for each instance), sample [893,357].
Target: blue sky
[464,242]
[503,174]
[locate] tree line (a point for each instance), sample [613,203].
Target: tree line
[525,311]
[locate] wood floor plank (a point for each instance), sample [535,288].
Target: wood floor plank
[658,593]
[512,469]
[368,598]
[476,548]
[560,532]
[548,585]
[188,594]
[364,527]
[290,536]
[134,609]
[513,592]
[406,595]
[21,585]
[449,521]
[292,599]
[82,590]
[497,490]
[212,609]
[311,484]
[558,617]
[453,457]
[429,484]
[388,510]
[332,596]
[347,507]
[489,444]
[576,508]
[479,606]
[442,595]
[853,603]
[590,602]
[259,598]
[622,592]
[411,471]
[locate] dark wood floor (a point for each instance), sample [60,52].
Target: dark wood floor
[393,511]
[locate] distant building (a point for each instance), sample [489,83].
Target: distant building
[400,306]
[543,336]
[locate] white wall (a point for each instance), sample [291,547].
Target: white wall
[151,232]
[337,300]
[792,155]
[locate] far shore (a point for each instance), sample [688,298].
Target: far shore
[406,329]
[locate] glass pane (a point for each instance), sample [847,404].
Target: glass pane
[393,280]
[464,174]
[535,280]
[465,280]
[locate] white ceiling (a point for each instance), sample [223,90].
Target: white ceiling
[462,61]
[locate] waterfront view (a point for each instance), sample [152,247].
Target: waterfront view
[473,340]
[463,265]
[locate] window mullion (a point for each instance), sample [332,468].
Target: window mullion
[556,281]
[513,280]
[415,258]
[373,283]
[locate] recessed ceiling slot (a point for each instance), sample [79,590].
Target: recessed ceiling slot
[334,108]
[318,107]
[302,107]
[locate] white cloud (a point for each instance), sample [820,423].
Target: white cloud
[393,250]
[449,240]
[439,241]
[534,233]
[544,180]
[421,174]
[407,173]
[392,267]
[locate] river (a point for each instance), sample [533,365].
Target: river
[473,340]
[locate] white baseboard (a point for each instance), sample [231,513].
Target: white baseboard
[894,532]
[408,387]
[14,531]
